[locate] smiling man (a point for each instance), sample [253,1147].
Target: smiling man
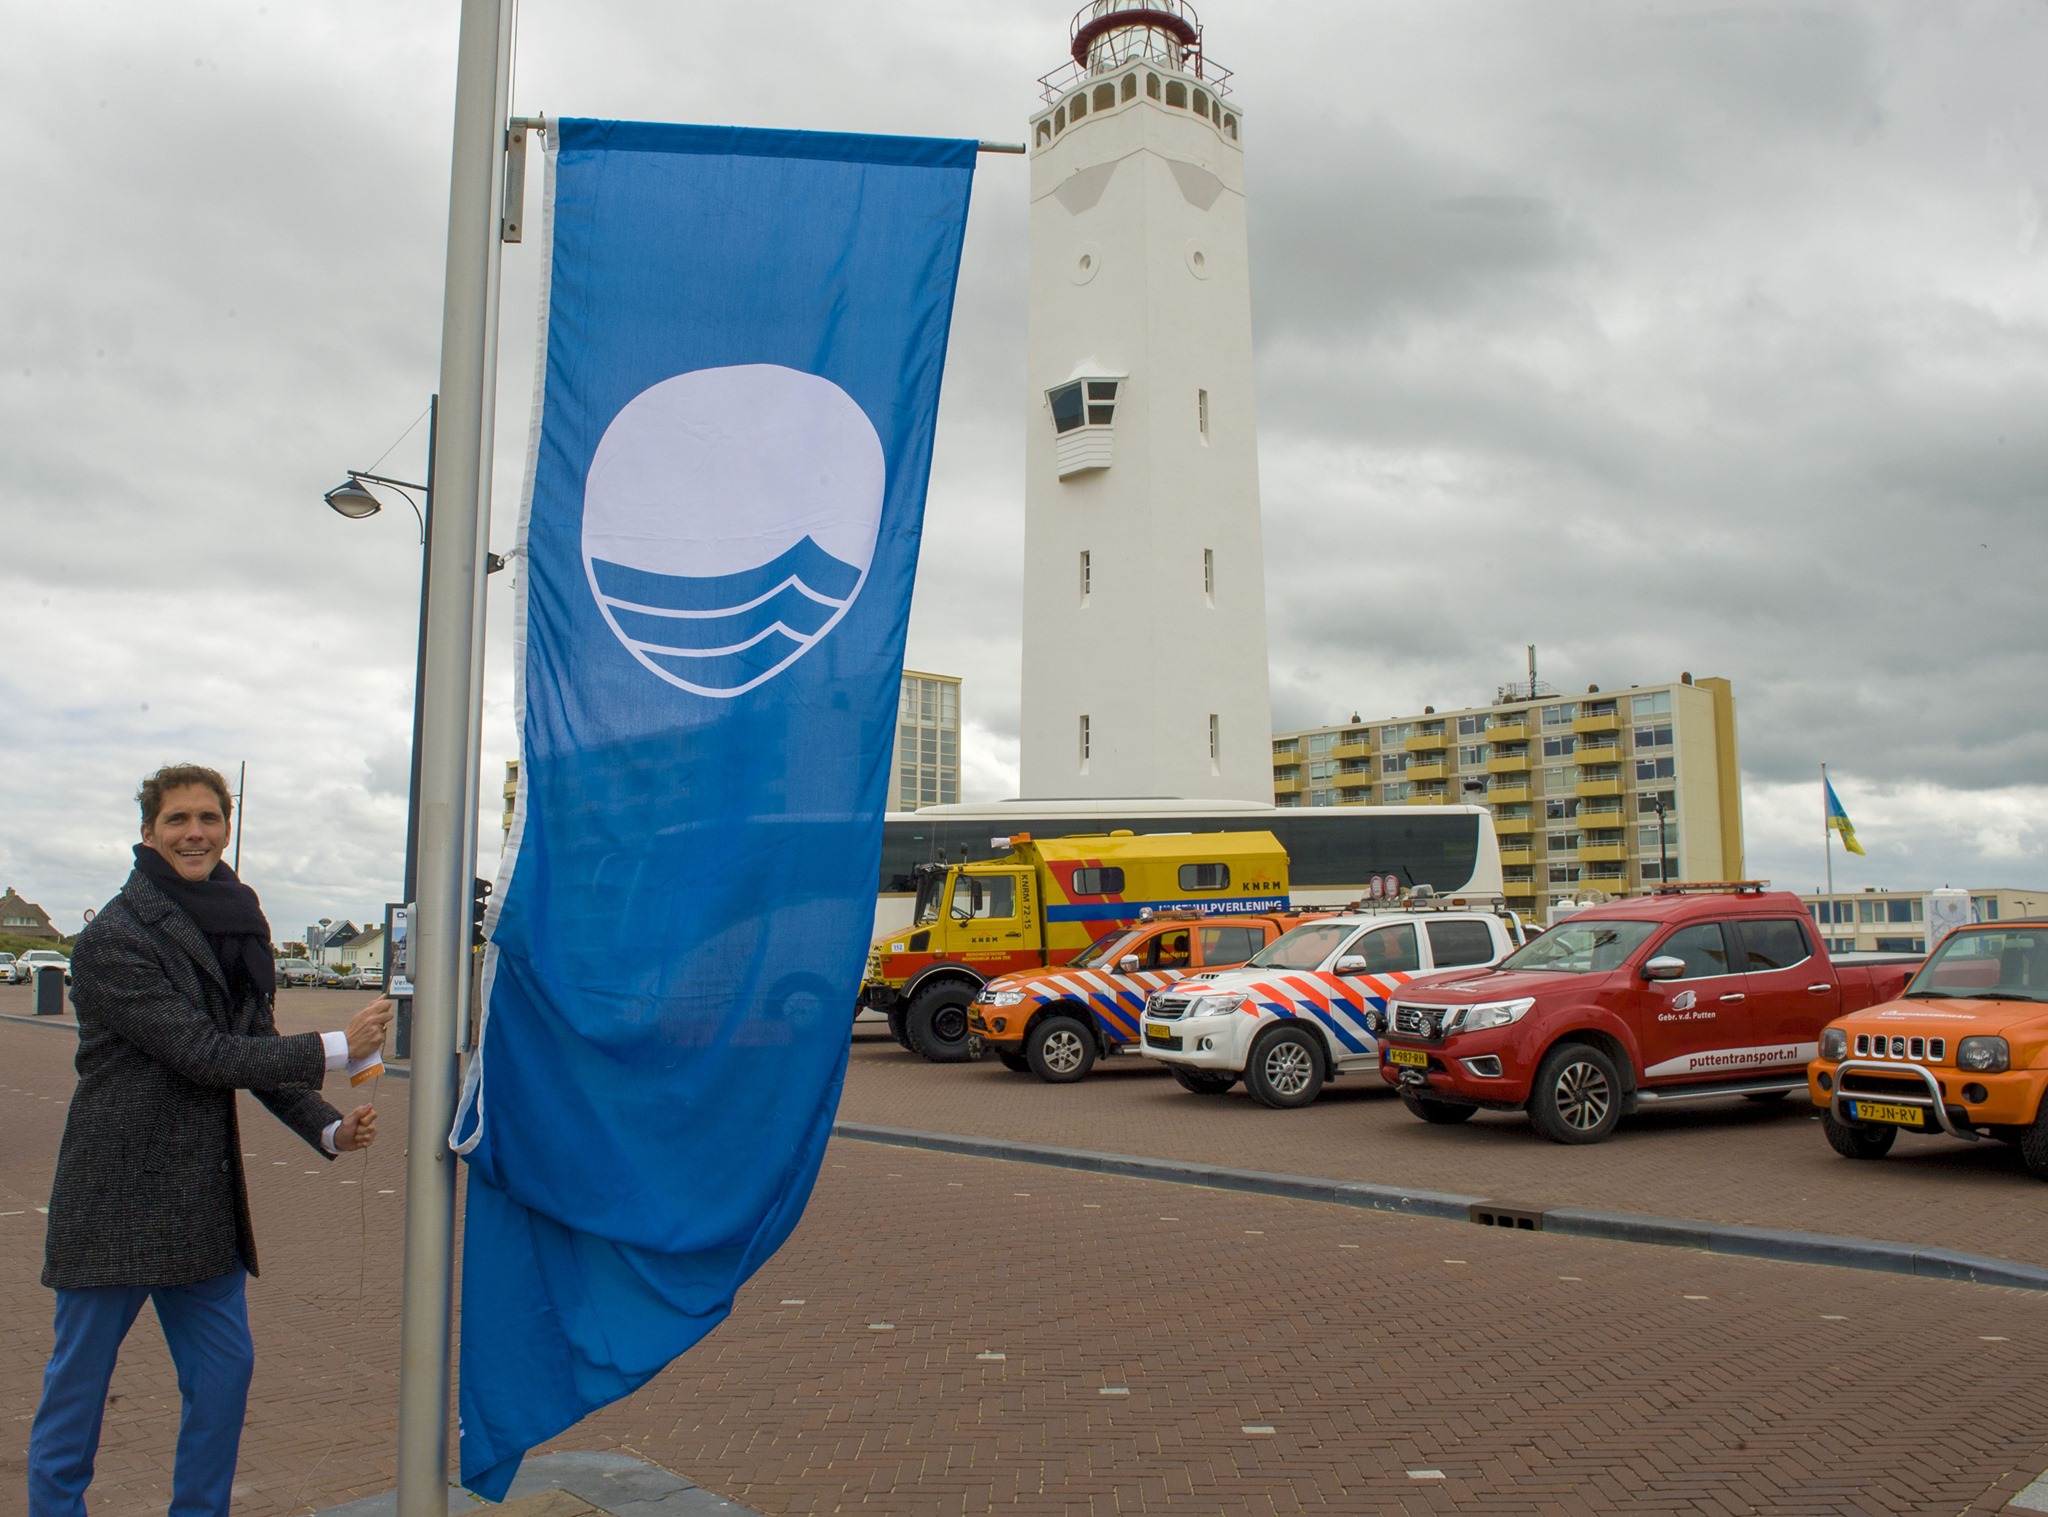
[173,984]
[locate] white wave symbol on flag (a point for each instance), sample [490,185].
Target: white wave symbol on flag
[721,634]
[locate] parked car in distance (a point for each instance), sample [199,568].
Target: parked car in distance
[24,967]
[297,972]
[362,979]
[1056,1022]
[6,966]
[1300,1011]
[1695,992]
[1963,1050]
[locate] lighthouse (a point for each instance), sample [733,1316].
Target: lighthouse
[1144,578]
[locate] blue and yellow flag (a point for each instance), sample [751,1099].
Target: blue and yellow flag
[1838,819]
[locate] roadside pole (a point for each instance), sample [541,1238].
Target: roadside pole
[457,542]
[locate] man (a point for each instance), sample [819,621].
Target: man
[173,984]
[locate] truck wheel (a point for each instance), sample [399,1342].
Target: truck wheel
[1285,1070]
[2034,1146]
[896,1026]
[935,1027]
[1437,1113]
[1205,1082]
[1060,1050]
[1852,1140]
[1015,1063]
[1577,1095]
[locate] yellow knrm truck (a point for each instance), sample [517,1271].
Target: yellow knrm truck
[1043,903]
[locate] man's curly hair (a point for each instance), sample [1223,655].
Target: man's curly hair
[151,796]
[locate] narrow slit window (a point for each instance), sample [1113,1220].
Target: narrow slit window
[1201,102]
[1209,578]
[1215,739]
[1130,86]
[1202,412]
[1078,106]
[1087,575]
[1084,739]
[1059,119]
[1152,86]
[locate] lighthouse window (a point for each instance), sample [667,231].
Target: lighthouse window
[1105,96]
[1068,409]
[1078,106]
[1201,102]
[1044,133]
[1101,402]
[1176,93]
[1059,119]
[1230,127]
[1152,86]
[1130,86]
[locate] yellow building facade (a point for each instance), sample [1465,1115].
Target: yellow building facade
[1575,782]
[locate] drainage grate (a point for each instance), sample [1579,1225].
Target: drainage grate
[1528,1219]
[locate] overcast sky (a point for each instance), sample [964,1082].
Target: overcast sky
[1664,336]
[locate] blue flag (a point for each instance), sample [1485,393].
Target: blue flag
[745,335]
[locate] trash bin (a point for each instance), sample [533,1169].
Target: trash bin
[50,991]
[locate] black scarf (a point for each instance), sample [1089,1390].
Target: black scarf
[229,915]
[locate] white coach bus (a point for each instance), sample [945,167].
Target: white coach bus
[1333,852]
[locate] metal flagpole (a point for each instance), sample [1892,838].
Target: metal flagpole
[448,756]
[1827,830]
[241,810]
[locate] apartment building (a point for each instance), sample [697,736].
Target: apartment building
[1575,783]
[927,757]
[1895,921]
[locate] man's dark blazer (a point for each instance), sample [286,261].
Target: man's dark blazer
[149,1187]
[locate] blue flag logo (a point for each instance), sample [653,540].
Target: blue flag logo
[729,522]
[745,336]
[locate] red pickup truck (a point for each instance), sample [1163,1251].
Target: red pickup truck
[1695,992]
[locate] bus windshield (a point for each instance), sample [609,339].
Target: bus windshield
[1303,948]
[1102,951]
[1575,947]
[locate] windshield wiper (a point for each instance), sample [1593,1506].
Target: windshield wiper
[1941,995]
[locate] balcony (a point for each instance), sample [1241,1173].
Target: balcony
[1351,751]
[1435,771]
[1596,788]
[1603,818]
[1602,853]
[1517,851]
[1508,795]
[1429,742]
[1611,722]
[1429,798]
[1516,732]
[1510,763]
[1513,826]
[1284,757]
[1518,888]
[1286,787]
[1593,754]
[1613,884]
[1357,779]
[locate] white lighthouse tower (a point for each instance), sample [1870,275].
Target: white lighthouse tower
[1144,585]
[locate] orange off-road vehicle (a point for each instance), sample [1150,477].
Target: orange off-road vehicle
[1963,1050]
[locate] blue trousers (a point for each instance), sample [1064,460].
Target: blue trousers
[207,1328]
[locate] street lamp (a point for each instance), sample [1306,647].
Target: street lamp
[1663,845]
[354,499]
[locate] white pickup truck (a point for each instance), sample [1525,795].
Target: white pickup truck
[1295,1015]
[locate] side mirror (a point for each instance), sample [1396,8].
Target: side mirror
[1664,967]
[1129,963]
[1351,963]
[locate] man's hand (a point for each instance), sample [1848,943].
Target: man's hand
[358,1130]
[365,1031]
